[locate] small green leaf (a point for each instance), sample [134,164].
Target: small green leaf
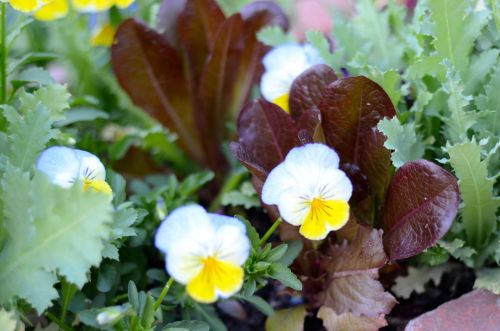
[276,253]
[274,36]
[488,278]
[81,114]
[402,139]
[294,249]
[133,296]
[260,304]
[285,276]
[252,234]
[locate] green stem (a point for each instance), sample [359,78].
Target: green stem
[163,293]
[270,232]
[3,56]
[231,183]
[68,290]
[59,323]
[496,14]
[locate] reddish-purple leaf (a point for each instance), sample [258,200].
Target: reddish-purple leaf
[197,28]
[351,107]
[249,68]
[267,133]
[307,89]
[353,271]
[422,202]
[349,321]
[350,111]
[216,87]
[150,70]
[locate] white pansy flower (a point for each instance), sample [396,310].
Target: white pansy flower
[64,166]
[282,65]
[204,251]
[310,190]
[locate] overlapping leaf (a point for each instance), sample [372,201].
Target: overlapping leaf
[193,80]
[421,204]
[350,111]
[352,275]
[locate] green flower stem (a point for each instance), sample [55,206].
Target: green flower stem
[163,293]
[3,55]
[68,290]
[59,323]
[270,232]
[496,14]
[232,182]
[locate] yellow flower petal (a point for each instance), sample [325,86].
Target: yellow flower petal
[104,36]
[123,3]
[324,216]
[282,101]
[52,10]
[217,276]
[26,6]
[97,186]
[92,5]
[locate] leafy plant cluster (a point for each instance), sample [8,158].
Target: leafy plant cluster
[401,89]
[438,62]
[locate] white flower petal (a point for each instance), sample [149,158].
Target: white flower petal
[287,55]
[231,244]
[60,164]
[221,220]
[337,186]
[185,222]
[90,166]
[185,261]
[294,206]
[308,172]
[278,181]
[283,64]
[275,83]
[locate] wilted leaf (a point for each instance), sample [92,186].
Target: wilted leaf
[349,321]
[353,271]
[421,204]
[291,319]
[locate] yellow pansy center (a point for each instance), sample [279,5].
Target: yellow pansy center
[283,102]
[324,216]
[216,276]
[103,36]
[52,10]
[26,6]
[97,186]
[92,5]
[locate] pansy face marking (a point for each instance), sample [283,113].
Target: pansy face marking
[282,65]
[204,251]
[310,190]
[65,165]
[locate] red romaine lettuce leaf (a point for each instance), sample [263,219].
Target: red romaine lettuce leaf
[307,89]
[198,73]
[421,204]
[350,111]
